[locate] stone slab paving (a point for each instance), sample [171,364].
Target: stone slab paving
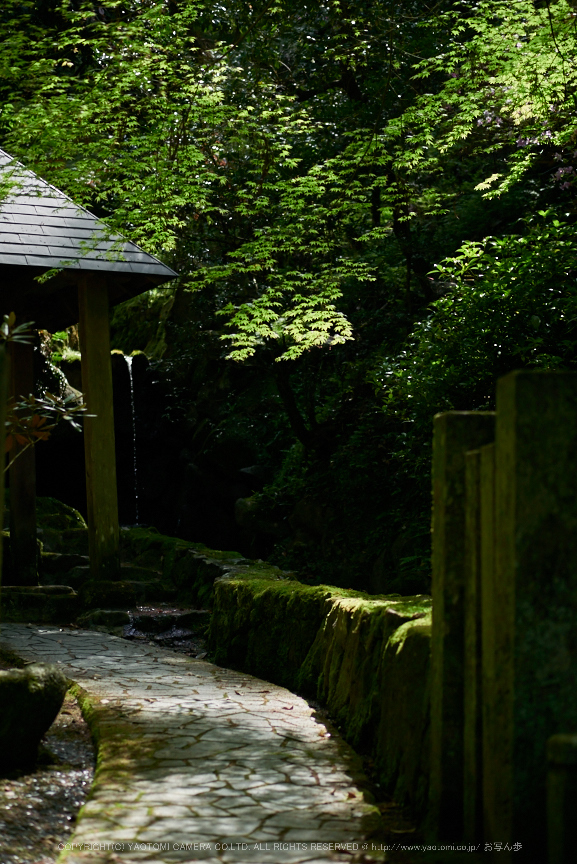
[201,763]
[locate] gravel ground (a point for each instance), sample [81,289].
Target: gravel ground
[38,809]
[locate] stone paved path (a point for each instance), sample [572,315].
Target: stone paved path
[197,762]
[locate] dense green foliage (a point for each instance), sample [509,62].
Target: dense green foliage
[512,304]
[349,191]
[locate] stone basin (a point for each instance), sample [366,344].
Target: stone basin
[30,700]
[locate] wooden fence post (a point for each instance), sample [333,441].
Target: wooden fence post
[487,520]
[454,433]
[472,727]
[535,598]
[562,799]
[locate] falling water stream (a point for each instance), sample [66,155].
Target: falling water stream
[129,364]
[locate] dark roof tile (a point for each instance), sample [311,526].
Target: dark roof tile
[36,260]
[6,258]
[42,227]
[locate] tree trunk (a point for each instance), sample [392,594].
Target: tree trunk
[295,418]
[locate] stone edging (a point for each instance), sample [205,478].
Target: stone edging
[366,659]
[193,755]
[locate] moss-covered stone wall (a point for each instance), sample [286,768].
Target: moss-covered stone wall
[366,659]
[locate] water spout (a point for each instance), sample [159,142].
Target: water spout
[129,364]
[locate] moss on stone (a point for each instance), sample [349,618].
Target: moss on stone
[401,748]
[146,547]
[46,604]
[265,624]
[190,567]
[118,750]
[31,699]
[68,541]
[9,658]
[364,657]
[141,321]
[223,556]
[51,513]
[61,528]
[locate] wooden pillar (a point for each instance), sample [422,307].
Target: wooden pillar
[562,799]
[487,482]
[23,541]
[3,397]
[455,433]
[99,449]
[535,597]
[472,733]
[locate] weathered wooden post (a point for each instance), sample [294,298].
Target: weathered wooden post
[3,396]
[535,598]
[487,529]
[23,544]
[99,449]
[472,685]
[455,433]
[562,799]
[479,641]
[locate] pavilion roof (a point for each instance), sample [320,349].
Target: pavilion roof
[42,229]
